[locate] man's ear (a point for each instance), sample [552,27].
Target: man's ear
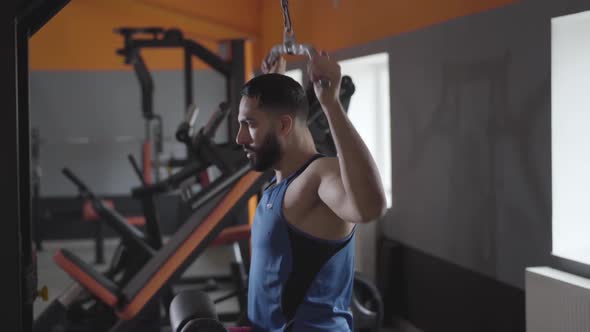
[287,123]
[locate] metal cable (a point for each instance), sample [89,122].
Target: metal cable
[286,16]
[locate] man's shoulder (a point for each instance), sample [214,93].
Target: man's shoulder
[325,166]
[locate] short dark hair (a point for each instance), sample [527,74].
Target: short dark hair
[276,92]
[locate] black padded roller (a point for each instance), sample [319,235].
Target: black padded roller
[203,325]
[190,305]
[367,305]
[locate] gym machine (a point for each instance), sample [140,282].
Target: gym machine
[75,310]
[137,39]
[128,299]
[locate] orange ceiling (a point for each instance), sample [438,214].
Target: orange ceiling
[337,24]
[241,15]
[80,37]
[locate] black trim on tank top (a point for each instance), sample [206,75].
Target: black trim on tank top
[273,182]
[309,256]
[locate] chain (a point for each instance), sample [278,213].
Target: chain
[286,16]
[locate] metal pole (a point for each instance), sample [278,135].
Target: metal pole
[9,143]
[188,80]
[235,83]
[188,85]
[29,275]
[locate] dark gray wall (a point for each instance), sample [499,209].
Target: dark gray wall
[103,105]
[470,103]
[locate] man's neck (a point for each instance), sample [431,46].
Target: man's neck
[292,161]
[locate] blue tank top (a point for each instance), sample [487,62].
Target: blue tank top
[297,282]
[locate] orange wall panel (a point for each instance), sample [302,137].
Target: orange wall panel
[80,37]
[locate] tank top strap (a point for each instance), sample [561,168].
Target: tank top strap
[277,190]
[293,176]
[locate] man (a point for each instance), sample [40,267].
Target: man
[302,267]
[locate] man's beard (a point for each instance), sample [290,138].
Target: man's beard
[265,156]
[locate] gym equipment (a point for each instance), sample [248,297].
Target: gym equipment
[193,311]
[26,18]
[128,259]
[136,39]
[366,305]
[75,310]
[42,217]
[190,305]
[90,215]
[133,252]
[186,128]
[36,186]
[289,45]
[190,311]
[200,147]
[128,304]
[227,157]
[204,153]
[317,122]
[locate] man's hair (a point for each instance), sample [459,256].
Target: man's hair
[278,93]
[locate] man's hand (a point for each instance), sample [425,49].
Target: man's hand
[322,67]
[279,66]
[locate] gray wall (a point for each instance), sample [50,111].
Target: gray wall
[470,103]
[102,105]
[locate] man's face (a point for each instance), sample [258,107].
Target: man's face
[257,135]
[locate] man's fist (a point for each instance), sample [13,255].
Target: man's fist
[279,66]
[322,67]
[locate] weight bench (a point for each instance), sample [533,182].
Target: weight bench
[201,230]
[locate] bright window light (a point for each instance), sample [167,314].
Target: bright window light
[295,74]
[369,109]
[570,137]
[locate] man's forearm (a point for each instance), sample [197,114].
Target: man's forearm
[358,170]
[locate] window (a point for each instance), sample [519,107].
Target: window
[369,109]
[570,141]
[295,74]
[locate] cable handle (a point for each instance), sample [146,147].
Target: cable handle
[296,49]
[290,46]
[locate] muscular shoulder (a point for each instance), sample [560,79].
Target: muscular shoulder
[324,167]
[318,171]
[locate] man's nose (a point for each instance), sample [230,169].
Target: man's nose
[243,138]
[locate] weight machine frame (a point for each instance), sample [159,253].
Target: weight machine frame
[233,71]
